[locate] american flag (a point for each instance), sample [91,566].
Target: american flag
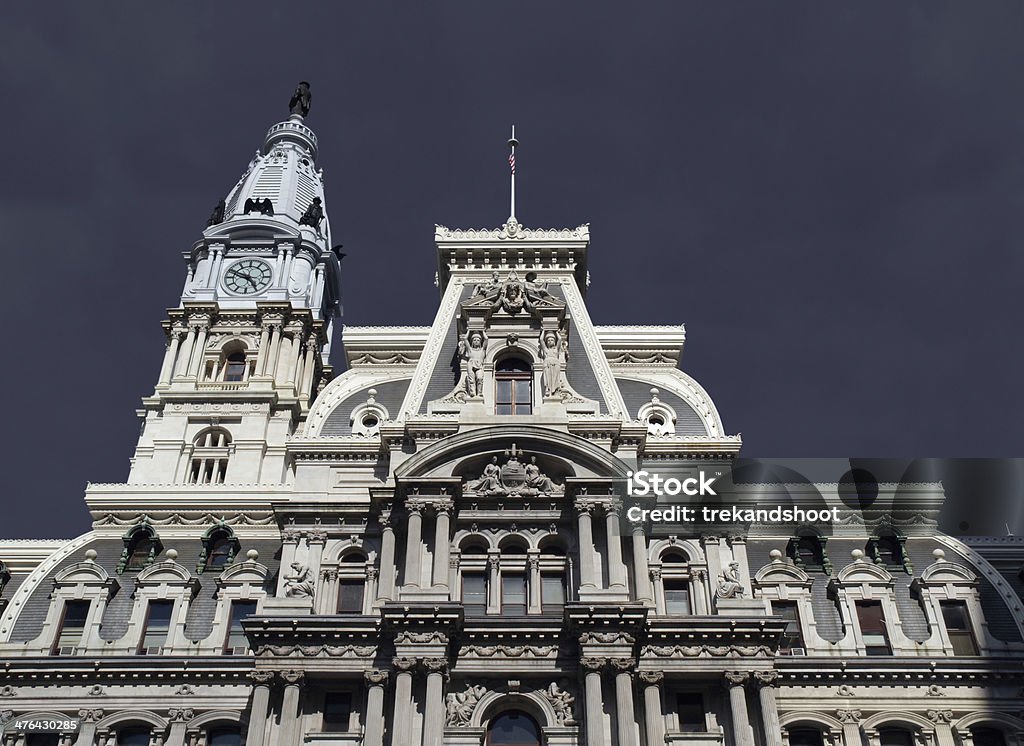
[512,162]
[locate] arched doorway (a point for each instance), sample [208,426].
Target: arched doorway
[513,728]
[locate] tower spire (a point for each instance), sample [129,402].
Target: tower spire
[512,167]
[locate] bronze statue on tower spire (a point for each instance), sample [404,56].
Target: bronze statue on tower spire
[301,100]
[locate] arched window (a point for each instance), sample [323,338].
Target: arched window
[220,547]
[141,546]
[210,451]
[675,574]
[988,737]
[224,736]
[133,736]
[513,729]
[513,387]
[42,739]
[895,737]
[232,365]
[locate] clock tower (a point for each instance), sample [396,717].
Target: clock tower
[248,345]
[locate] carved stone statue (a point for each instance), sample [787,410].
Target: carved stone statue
[300,583]
[489,481]
[537,291]
[313,214]
[561,702]
[301,100]
[217,216]
[460,705]
[729,585]
[492,285]
[473,350]
[554,351]
[538,480]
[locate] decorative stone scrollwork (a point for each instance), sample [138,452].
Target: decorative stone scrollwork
[261,678]
[421,637]
[376,677]
[848,717]
[593,664]
[607,637]
[940,716]
[736,678]
[180,716]
[651,678]
[90,716]
[767,678]
[404,664]
[435,665]
[293,678]
[623,665]
[460,705]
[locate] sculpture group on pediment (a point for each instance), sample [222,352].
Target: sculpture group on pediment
[561,702]
[512,294]
[460,705]
[514,478]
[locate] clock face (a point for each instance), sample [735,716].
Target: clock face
[248,276]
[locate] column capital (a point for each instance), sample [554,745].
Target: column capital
[414,509]
[316,536]
[849,717]
[91,716]
[180,715]
[623,665]
[435,665]
[376,677]
[651,678]
[293,678]
[940,716]
[261,678]
[766,678]
[585,506]
[736,678]
[403,664]
[592,664]
[706,539]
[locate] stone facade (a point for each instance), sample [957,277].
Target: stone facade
[430,548]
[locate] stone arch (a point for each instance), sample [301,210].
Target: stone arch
[132,717]
[811,719]
[344,548]
[989,718]
[165,571]
[688,547]
[532,703]
[862,570]
[87,572]
[216,717]
[514,539]
[464,539]
[440,458]
[897,720]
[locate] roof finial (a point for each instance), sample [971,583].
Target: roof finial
[301,100]
[512,166]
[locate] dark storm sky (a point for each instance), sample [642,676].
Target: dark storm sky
[828,194]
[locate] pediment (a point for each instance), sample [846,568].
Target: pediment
[167,572]
[780,572]
[947,572]
[862,571]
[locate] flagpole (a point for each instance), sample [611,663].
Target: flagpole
[512,165]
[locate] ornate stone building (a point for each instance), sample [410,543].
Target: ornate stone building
[430,548]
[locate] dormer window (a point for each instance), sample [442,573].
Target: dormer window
[513,387]
[889,550]
[808,553]
[141,546]
[220,546]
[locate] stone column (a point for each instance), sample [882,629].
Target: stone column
[403,701]
[659,590]
[169,357]
[370,592]
[766,681]
[185,354]
[263,349]
[533,565]
[493,585]
[625,714]
[851,726]
[943,729]
[594,704]
[309,367]
[434,710]
[275,350]
[442,545]
[654,717]
[386,590]
[742,734]
[87,730]
[196,363]
[291,726]
[641,570]
[259,711]
[586,545]
[286,360]
[413,558]
[373,734]
[616,568]
[178,723]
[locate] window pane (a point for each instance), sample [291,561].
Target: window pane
[474,593]
[239,611]
[805,737]
[987,737]
[791,638]
[690,711]
[72,625]
[954,614]
[552,591]
[513,729]
[224,737]
[677,597]
[133,737]
[523,392]
[503,392]
[503,409]
[350,595]
[158,623]
[513,594]
[43,739]
[872,627]
[895,737]
[337,712]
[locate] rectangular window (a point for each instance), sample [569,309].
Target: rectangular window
[677,597]
[350,596]
[158,624]
[337,712]
[513,595]
[474,593]
[72,627]
[958,626]
[690,711]
[552,593]
[895,737]
[237,643]
[792,637]
[872,627]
